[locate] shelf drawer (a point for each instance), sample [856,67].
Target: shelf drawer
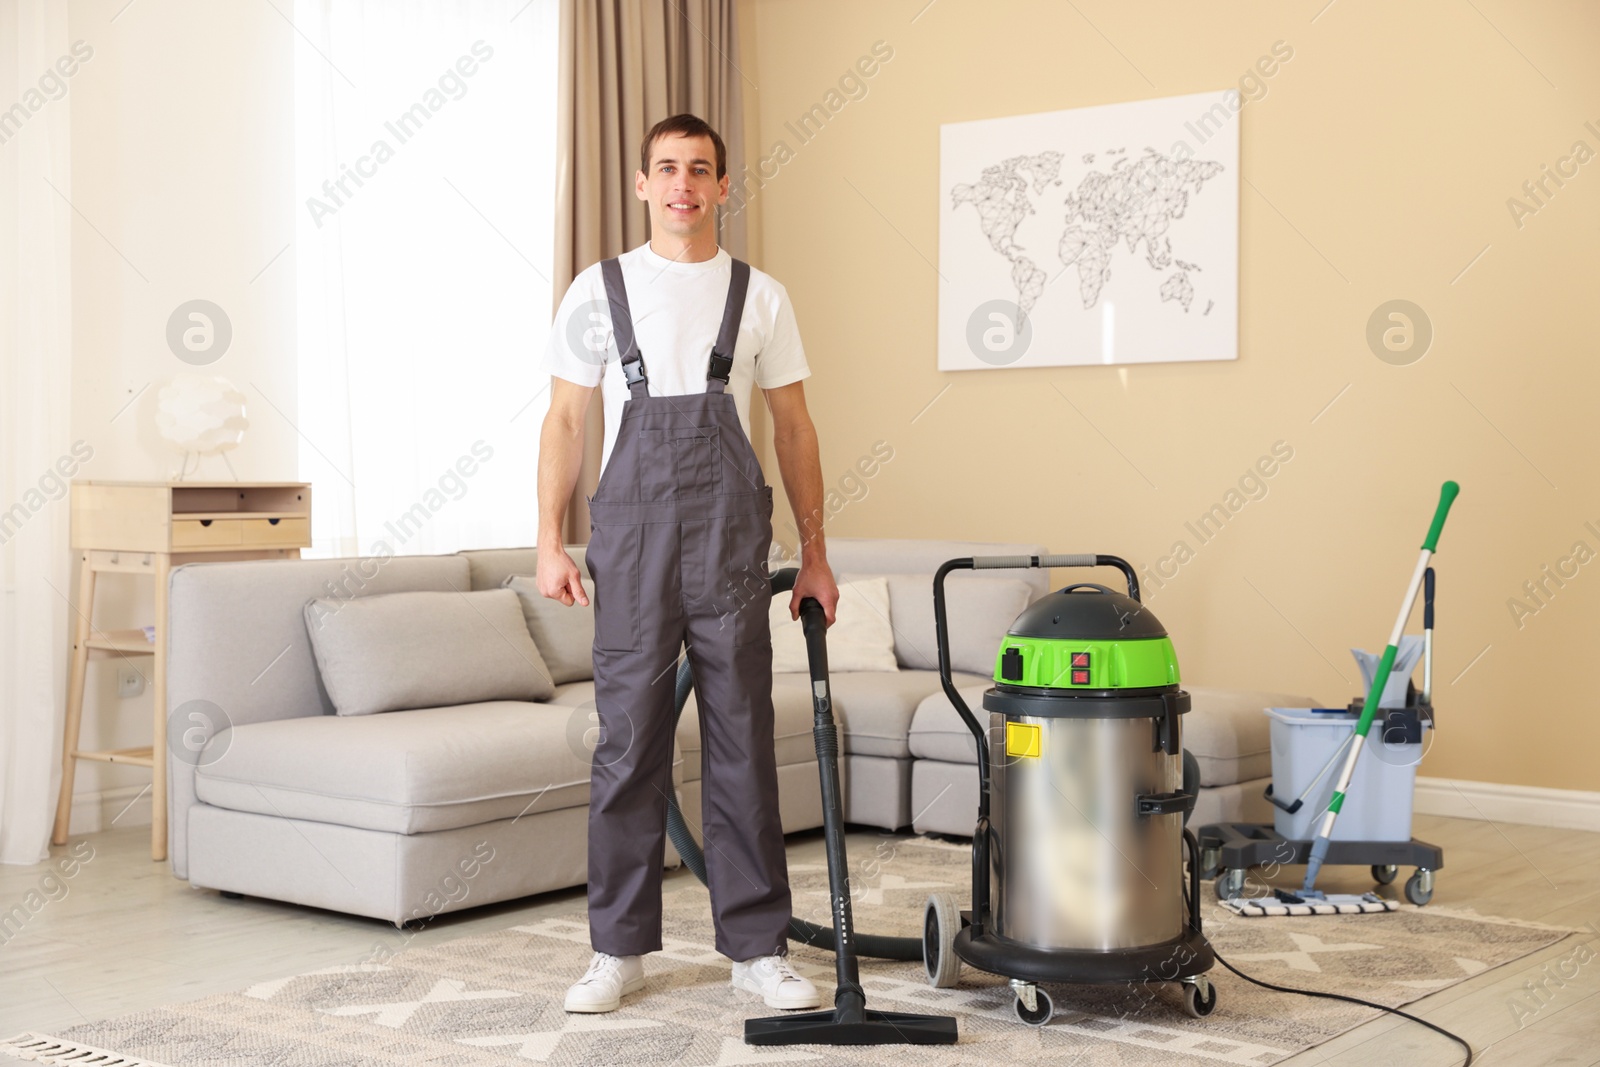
[276,531]
[205,533]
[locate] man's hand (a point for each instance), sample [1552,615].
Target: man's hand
[815,580]
[560,451]
[559,578]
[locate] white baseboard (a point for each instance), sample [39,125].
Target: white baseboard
[1531,805]
[97,811]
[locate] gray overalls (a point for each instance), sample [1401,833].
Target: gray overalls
[681,523]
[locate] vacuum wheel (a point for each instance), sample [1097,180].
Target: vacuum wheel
[941,922]
[1199,997]
[1419,887]
[1229,883]
[1041,1011]
[1384,873]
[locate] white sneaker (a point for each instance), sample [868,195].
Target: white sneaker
[605,983]
[776,982]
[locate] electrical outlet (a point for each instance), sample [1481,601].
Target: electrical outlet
[130,683]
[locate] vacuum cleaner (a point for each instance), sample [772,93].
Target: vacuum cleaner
[1077,855]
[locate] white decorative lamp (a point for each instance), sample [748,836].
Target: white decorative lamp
[203,416]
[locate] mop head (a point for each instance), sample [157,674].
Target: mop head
[1304,902]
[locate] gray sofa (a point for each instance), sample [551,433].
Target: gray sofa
[408,814]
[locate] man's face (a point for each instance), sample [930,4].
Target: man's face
[682,186]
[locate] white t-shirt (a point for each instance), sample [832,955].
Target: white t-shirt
[677,312]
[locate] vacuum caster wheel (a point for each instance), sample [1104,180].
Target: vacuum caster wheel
[1209,860]
[1199,996]
[1033,1004]
[1419,887]
[1229,883]
[941,921]
[1384,873]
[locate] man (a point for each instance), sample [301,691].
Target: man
[681,525]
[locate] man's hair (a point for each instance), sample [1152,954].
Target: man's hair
[685,125]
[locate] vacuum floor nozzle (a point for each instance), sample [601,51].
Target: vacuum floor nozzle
[851,1023]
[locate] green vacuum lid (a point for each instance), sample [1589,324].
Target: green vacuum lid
[1086,637]
[1087,612]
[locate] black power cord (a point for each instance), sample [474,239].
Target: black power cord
[1194,859]
[1457,1038]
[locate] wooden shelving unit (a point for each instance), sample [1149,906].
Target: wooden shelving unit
[149,528]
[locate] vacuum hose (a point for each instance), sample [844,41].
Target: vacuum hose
[878,946]
[809,933]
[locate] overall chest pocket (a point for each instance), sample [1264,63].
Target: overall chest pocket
[685,461]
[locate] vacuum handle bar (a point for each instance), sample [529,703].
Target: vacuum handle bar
[1077,559]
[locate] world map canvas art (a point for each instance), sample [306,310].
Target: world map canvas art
[1097,235]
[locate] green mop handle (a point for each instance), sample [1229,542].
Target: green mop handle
[1380,679]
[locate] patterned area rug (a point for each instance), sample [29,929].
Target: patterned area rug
[496,998]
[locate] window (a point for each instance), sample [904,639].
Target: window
[425,172]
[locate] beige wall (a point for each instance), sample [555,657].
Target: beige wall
[1379,163]
[182,166]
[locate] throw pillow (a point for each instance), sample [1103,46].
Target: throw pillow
[860,639]
[565,636]
[427,649]
[978,607]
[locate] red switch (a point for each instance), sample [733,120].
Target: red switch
[1080,659]
[1080,677]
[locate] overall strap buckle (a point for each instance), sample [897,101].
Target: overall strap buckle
[721,367]
[633,370]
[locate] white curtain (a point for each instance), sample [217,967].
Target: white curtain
[424,170]
[35,410]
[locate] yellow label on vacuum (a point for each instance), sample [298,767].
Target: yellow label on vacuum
[1022,739]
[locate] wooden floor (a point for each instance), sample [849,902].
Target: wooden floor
[123,934]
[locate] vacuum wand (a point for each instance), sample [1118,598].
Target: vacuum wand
[1380,678]
[850,1022]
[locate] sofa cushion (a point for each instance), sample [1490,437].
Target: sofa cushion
[1229,734]
[405,772]
[564,635]
[860,639]
[980,608]
[423,650]
[937,729]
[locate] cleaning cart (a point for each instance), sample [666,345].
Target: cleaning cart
[1364,810]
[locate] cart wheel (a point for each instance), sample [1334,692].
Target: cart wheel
[941,921]
[1419,887]
[1199,997]
[1042,1009]
[1229,883]
[1384,873]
